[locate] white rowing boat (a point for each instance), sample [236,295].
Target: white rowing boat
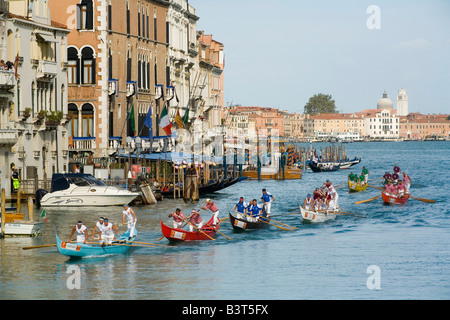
[314,217]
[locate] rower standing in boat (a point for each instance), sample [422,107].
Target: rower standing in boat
[253,211]
[333,197]
[82,232]
[308,204]
[98,226]
[365,173]
[407,182]
[195,220]
[241,206]
[108,232]
[178,218]
[130,216]
[212,206]
[267,199]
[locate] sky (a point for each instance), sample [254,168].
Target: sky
[280,53]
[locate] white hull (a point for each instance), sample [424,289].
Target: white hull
[22,228]
[88,196]
[315,217]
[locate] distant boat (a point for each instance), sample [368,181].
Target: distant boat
[78,189]
[272,173]
[122,245]
[324,166]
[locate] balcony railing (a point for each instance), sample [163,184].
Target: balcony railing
[7,80]
[82,143]
[8,136]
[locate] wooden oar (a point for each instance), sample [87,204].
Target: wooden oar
[422,199]
[219,232]
[200,230]
[271,220]
[378,188]
[274,225]
[148,243]
[37,247]
[368,200]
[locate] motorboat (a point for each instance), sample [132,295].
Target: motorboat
[79,189]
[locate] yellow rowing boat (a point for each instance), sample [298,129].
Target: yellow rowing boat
[356,187]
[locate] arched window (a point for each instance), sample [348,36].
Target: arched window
[87,120]
[73,66]
[85,15]
[73,124]
[88,66]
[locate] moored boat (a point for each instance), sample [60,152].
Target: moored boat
[270,173]
[243,224]
[394,199]
[177,234]
[119,246]
[22,228]
[78,189]
[324,166]
[314,217]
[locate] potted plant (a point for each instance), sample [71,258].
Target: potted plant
[26,113]
[53,117]
[41,115]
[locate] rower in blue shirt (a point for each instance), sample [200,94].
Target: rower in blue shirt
[241,206]
[267,199]
[253,211]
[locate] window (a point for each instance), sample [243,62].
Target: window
[87,120]
[88,65]
[85,15]
[73,123]
[128,19]
[73,65]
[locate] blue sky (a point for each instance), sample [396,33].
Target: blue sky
[280,53]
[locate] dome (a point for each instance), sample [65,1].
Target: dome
[385,102]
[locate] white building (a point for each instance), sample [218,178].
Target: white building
[33,105]
[381,124]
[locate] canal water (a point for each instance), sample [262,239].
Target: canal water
[384,252]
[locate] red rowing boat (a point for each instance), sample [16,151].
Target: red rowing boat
[392,199]
[177,234]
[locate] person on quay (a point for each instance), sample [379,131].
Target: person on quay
[108,232]
[81,231]
[240,208]
[98,227]
[267,200]
[212,206]
[254,210]
[308,204]
[178,218]
[406,182]
[195,220]
[130,217]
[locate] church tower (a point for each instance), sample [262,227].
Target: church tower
[402,103]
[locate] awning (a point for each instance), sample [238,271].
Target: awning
[45,37]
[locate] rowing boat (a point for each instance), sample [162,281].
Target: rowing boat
[243,224]
[393,199]
[356,187]
[324,166]
[118,246]
[314,217]
[177,234]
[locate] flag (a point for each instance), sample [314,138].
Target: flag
[164,122]
[178,120]
[131,117]
[44,215]
[186,116]
[148,122]
[16,67]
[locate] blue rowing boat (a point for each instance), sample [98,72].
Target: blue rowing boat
[119,246]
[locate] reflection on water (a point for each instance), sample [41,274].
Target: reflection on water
[317,261]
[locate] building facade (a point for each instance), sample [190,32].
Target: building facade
[33,92]
[417,126]
[117,57]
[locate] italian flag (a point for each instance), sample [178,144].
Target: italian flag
[164,122]
[44,215]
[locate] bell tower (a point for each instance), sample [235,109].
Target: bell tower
[402,103]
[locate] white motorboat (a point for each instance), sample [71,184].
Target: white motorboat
[78,189]
[22,228]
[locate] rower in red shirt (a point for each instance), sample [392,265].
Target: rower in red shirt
[212,206]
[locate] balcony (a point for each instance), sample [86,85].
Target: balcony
[82,144]
[7,80]
[8,136]
[46,69]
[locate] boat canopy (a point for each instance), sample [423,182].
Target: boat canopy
[62,181]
